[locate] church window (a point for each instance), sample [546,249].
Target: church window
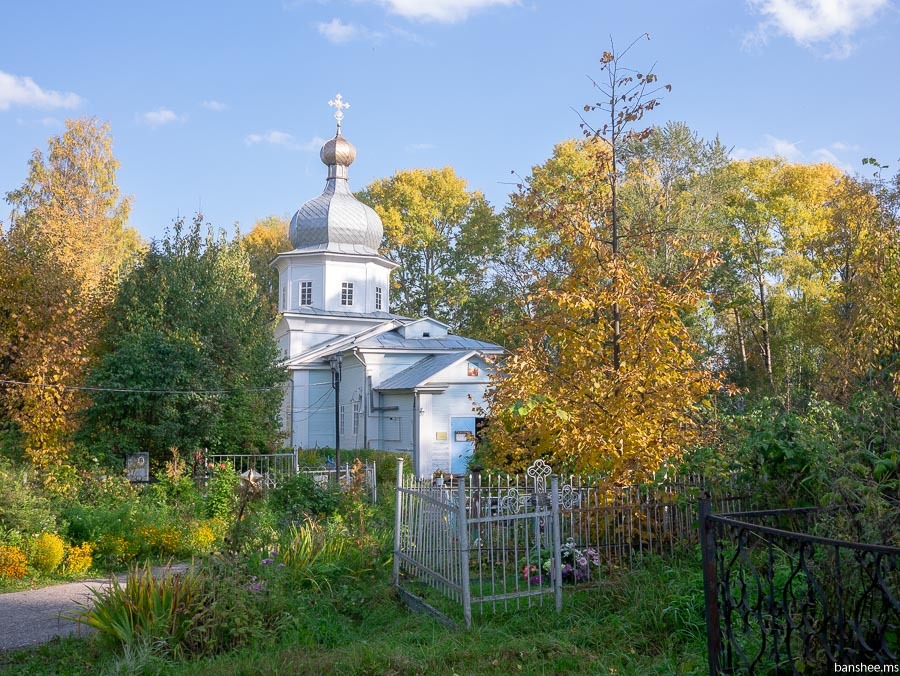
[305,293]
[343,422]
[355,417]
[377,297]
[284,297]
[347,293]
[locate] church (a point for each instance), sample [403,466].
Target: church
[376,379]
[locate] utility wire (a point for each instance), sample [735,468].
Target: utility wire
[87,388]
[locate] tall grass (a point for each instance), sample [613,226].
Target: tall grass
[146,609]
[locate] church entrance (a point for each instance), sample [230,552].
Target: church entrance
[462,443]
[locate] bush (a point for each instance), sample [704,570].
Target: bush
[12,562]
[299,497]
[203,611]
[146,609]
[203,535]
[222,492]
[79,559]
[47,552]
[23,505]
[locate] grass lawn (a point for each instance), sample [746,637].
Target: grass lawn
[645,621]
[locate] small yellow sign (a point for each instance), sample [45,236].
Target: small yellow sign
[440,436]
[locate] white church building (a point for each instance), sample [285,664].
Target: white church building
[404,384]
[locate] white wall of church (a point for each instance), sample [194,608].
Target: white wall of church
[365,279]
[327,274]
[391,430]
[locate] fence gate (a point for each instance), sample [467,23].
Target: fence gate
[478,546]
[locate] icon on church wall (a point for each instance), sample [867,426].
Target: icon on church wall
[472,369]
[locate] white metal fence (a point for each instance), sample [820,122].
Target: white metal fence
[496,541]
[276,468]
[324,475]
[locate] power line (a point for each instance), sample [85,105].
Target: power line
[88,388]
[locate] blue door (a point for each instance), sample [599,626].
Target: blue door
[462,443]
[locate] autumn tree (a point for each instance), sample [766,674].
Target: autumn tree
[188,359]
[607,378]
[858,255]
[771,289]
[60,259]
[268,237]
[442,235]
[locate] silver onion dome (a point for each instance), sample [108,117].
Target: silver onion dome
[335,220]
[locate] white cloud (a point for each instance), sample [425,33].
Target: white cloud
[23,91]
[338,32]
[50,122]
[792,152]
[447,11]
[215,106]
[285,140]
[809,22]
[160,117]
[840,146]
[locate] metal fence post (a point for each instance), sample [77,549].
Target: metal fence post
[462,526]
[397,522]
[710,593]
[557,540]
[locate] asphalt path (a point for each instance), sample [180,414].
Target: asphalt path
[33,616]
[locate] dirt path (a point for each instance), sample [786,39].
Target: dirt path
[32,616]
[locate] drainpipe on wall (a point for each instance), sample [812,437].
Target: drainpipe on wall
[415,438]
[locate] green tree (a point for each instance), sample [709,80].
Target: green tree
[442,235]
[189,359]
[60,261]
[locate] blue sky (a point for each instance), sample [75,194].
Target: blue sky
[222,106]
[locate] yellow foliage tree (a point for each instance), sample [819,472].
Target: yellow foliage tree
[607,378]
[560,395]
[442,235]
[60,258]
[268,237]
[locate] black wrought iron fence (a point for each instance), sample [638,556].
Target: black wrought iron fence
[780,600]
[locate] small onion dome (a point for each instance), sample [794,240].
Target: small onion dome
[338,151]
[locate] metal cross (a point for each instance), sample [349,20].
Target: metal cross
[339,105]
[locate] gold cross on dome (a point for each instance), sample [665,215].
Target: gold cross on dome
[339,104]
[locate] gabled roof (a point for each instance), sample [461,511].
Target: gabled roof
[421,372]
[394,341]
[386,336]
[339,344]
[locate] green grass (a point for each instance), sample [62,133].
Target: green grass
[646,621]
